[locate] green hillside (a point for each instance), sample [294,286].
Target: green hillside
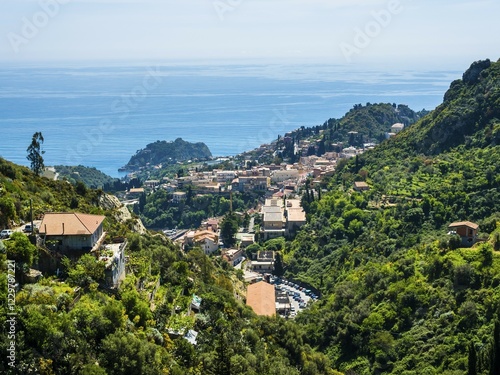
[70,324]
[372,121]
[399,294]
[91,177]
[163,152]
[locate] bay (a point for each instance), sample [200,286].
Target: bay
[100,115]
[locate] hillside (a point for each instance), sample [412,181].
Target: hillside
[91,177]
[163,152]
[372,121]
[399,294]
[72,324]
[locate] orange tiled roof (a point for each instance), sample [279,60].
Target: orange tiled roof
[464,224]
[261,298]
[70,224]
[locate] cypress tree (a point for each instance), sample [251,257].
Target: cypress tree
[495,355]
[472,366]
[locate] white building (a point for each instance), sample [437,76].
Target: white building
[284,175]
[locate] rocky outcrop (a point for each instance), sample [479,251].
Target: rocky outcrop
[471,76]
[120,212]
[163,152]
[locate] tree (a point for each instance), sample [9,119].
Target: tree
[278,265]
[495,350]
[86,270]
[35,153]
[20,249]
[229,228]
[472,363]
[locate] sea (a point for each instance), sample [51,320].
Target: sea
[100,115]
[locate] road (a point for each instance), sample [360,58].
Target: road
[291,289]
[251,225]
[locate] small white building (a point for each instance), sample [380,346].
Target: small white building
[396,128]
[284,175]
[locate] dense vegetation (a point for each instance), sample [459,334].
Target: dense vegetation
[163,152]
[70,325]
[19,185]
[158,211]
[399,294]
[91,177]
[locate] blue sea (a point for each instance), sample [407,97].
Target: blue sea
[99,116]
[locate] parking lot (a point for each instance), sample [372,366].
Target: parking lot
[290,297]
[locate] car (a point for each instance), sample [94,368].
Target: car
[28,228]
[6,233]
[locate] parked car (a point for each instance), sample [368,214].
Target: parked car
[28,228]
[6,233]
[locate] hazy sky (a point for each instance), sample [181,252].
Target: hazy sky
[437,32]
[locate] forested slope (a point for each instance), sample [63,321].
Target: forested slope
[399,294]
[70,324]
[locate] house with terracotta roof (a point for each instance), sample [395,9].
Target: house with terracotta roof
[71,232]
[261,298]
[361,186]
[466,230]
[206,239]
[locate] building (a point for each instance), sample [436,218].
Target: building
[264,262]
[232,256]
[281,220]
[72,233]
[295,216]
[135,192]
[211,224]
[152,184]
[246,239]
[225,176]
[273,221]
[284,175]
[251,183]
[113,256]
[261,298]
[206,239]
[466,230]
[178,197]
[396,128]
[361,186]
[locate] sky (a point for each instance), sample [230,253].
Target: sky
[447,33]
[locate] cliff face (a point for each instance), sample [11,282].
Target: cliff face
[163,152]
[121,213]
